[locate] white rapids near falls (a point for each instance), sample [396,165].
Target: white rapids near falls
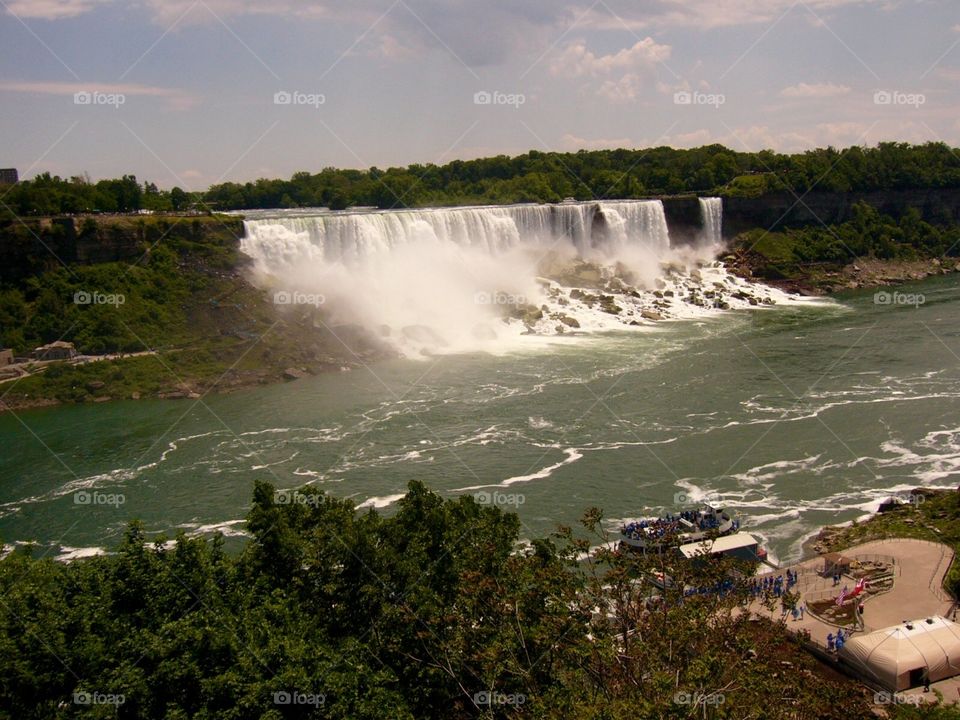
[488,278]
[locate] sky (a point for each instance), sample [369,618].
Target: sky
[196,92]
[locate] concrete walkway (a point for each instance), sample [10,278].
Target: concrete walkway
[919,570]
[917,592]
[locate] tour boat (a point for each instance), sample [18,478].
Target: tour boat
[679,528]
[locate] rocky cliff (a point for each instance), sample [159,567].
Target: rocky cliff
[774,211]
[29,247]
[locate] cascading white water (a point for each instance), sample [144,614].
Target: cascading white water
[431,280]
[352,238]
[711,216]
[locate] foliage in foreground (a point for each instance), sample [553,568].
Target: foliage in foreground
[435,612]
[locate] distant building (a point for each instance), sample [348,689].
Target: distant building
[6,357]
[9,176]
[58,350]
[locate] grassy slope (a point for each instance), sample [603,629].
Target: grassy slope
[189,300]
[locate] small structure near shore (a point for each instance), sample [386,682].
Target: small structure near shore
[58,350]
[908,655]
[741,545]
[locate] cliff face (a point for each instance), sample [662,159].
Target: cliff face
[774,211]
[33,246]
[683,218]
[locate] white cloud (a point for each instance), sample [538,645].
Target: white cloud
[709,14]
[51,9]
[576,60]
[634,64]
[814,90]
[626,89]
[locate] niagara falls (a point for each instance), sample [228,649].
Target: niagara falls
[402,359]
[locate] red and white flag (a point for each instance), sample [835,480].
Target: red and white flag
[842,596]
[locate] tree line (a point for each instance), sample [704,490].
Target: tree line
[531,177]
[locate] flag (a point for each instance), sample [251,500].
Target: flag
[842,596]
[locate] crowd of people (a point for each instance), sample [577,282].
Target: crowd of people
[836,642]
[671,523]
[769,586]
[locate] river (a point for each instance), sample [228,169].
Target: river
[793,416]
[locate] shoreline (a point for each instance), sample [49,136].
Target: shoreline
[822,280]
[868,527]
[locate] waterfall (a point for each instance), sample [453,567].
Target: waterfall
[453,279]
[711,216]
[352,238]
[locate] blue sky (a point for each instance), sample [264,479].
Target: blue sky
[184,92]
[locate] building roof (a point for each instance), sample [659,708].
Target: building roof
[57,344]
[889,655]
[736,541]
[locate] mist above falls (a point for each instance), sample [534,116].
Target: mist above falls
[493,278]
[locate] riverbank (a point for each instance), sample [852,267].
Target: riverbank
[821,279]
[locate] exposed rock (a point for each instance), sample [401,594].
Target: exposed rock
[650,315]
[293,374]
[609,306]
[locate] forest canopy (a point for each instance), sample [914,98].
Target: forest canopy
[531,177]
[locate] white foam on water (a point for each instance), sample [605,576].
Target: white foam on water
[381,501]
[67,553]
[228,528]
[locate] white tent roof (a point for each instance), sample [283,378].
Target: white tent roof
[888,656]
[720,545]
